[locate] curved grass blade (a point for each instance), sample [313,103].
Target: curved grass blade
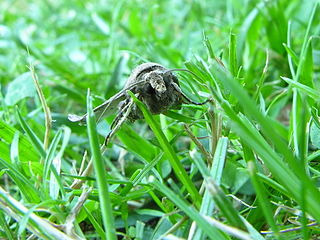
[32,136]
[50,155]
[173,158]
[26,187]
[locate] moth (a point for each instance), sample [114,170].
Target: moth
[156,86]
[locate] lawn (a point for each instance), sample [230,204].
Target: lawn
[244,165]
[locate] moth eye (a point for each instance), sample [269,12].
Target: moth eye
[167,78]
[149,89]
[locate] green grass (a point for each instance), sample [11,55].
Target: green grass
[243,166]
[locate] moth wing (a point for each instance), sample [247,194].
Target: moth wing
[75,118]
[108,107]
[105,109]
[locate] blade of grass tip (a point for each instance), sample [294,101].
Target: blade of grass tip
[211,231]
[47,113]
[140,230]
[99,167]
[56,65]
[56,164]
[50,156]
[219,197]
[208,46]
[140,174]
[26,187]
[263,76]
[22,182]
[95,224]
[262,199]
[292,57]
[146,169]
[129,186]
[254,233]
[25,219]
[307,90]
[32,136]
[224,204]
[232,55]
[157,200]
[305,41]
[306,75]
[273,184]
[37,225]
[5,227]
[14,151]
[260,190]
[240,234]
[207,205]
[173,158]
[244,30]
[27,153]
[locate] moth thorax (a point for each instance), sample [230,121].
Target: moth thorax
[156,81]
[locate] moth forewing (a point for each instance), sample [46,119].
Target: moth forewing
[108,107]
[105,109]
[119,120]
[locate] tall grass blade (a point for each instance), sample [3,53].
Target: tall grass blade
[99,168]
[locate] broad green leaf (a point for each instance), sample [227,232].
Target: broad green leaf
[315,135]
[20,88]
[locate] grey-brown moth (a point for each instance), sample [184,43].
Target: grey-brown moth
[156,86]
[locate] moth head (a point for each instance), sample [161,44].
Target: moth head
[156,81]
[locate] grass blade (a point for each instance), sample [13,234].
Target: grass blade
[40,227]
[32,136]
[207,205]
[99,167]
[173,158]
[212,232]
[50,156]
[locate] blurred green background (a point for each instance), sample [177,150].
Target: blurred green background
[77,45]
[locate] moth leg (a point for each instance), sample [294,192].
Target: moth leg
[118,121]
[185,97]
